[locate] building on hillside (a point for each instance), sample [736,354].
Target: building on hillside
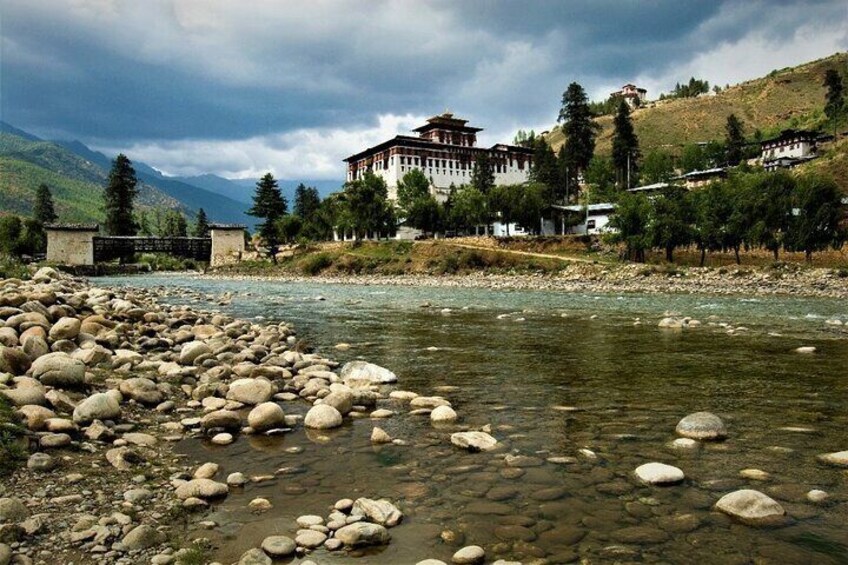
[649,189]
[445,151]
[632,94]
[789,149]
[697,179]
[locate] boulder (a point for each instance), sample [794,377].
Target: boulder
[278,546]
[361,372]
[65,328]
[322,417]
[59,370]
[839,458]
[41,463]
[35,416]
[250,391]
[13,510]
[379,435]
[443,415]
[192,350]
[751,507]
[142,537]
[428,402]
[202,488]
[24,395]
[469,555]
[266,416]
[702,426]
[340,400]
[226,419]
[254,556]
[13,361]
[141,390]
[380,512]
[363,533]
[474,441]
[659,474]
[99,406]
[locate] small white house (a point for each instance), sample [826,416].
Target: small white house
[594,218]
[790,144]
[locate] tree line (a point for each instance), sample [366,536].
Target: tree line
[776,211]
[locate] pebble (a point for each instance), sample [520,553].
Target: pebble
[469,555]
[659,474]
[279,546]
[222,439]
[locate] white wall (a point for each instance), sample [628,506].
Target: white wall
[70,247]
[601,222]
[793,150]
[227,246]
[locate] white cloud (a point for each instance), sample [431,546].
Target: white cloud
[313,154]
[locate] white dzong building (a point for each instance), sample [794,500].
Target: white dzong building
[445,150]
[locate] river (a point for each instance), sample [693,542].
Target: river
[554,373]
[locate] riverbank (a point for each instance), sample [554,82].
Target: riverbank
[583,277]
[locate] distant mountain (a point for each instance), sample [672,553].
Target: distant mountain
[325,187]
[220,185]
[219,208]
[9,128]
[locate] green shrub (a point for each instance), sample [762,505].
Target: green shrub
[11,268]
[314,264]
[12,452]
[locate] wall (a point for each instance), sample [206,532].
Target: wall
[227,246]
[70,247]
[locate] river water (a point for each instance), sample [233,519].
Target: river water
[554,374]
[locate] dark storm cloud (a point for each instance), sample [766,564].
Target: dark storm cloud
[124,72]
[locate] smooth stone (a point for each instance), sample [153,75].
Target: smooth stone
[839,458]
[322,417]
[474,441]
[254,556]
[310,539]
[309,520]
[206,471]
[379,435]
[640,534]
[236,479]
[266,416]
[201,488]
[259,505]
[142,537]
[250,391]
[141,390]
[702,426]
[817,496]
[364,372]
[222,439]
[362,533]
[751,507]
[469,555]
[278,546]
[443,415]
[13,510]
[754,474]
[659,474]
[380,511]
[99,406]
[41,463]
[807,349]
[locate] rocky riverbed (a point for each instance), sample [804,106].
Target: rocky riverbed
[110,382]
[785,280]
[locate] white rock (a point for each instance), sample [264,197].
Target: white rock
[192,350]
[659,474]
[322,417]
[266,416]
[363,372]
[839,458]
[751,507]
[201,488]
[379,435]
[279,546]
[362,533]
[469,555]
[206,471]
[805,349]
[474,441]
[817,496]
[380,511]
[59,370]
[99,406]
[702,426]
[250,391]
[443,415]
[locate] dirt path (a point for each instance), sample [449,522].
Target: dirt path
[566,258]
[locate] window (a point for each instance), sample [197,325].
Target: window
[590,225]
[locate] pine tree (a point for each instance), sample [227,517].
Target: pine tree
[43,211]
[119,196]
[201,224]
[270,205]
[834,105]
[625,146]
[306,201]
[483,175]
[734,140]
[580,131]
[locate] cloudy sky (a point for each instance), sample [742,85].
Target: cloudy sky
[245,86]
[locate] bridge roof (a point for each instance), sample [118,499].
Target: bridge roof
[227,226]
[72,227]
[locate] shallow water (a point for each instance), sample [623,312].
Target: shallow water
[576,373]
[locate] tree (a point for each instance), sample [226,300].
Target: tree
[10,231]
[671,218]
[413,186]
[505,200]
[201,224]
[771,200]
[306,201]
[289,227]
[119,196]
[533,198]
[270,205]
[834,105]
[625,146]
[425,214]
[43,211]
[525,139]
[469,208]
[367,210]
[631,219]
[174,225]
[483,175]
[600,178]
[658,166]
[819,210]
[734,140]
[545,169]
[580,130]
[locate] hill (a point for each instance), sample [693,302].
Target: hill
[77,175]
[791,97]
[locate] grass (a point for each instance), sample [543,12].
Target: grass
[12,453]
[12,268]
[166,262]
[791,97]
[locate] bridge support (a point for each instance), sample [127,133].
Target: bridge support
[227,244]
[71,244]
